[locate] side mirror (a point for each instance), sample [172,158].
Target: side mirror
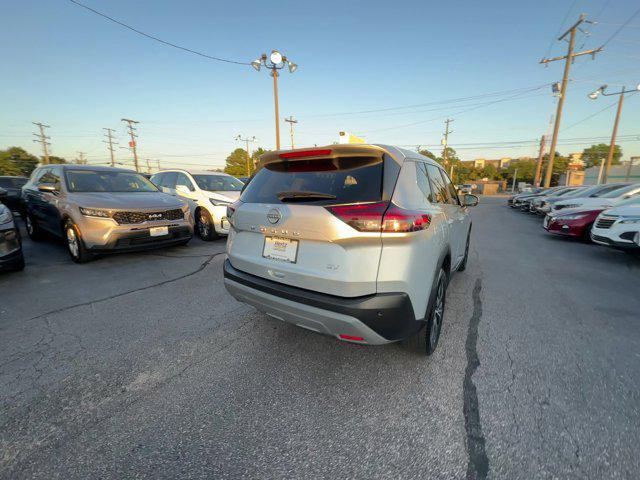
[48,188]
[3,193]
[470,200]
[182,189]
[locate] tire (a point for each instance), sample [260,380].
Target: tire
[586,236]
[426,340]
[33,230]
[18,265]
[463,265]
[204,226]
[75,245]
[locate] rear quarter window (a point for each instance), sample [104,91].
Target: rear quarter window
[349,179]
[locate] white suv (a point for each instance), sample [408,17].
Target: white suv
[353,241]
[210,193]
[619,226]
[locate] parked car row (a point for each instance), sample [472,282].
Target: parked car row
[97,210]
[606,214]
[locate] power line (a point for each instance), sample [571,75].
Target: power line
[594,114]
[156,38]
[629,20]
[566,15]
[513,97]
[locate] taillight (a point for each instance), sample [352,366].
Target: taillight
[365,217]
[381,217]
[231,209]
[398,219]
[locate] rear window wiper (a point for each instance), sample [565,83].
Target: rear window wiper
[304,196]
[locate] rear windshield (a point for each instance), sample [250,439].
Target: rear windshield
[107,181]
[348,179]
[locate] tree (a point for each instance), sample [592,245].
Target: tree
[428,154]
[257,153]
[236,163]
[17,161]
[57,160]
[595,153]
[489,171]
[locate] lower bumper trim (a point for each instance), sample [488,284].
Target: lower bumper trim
[388,315]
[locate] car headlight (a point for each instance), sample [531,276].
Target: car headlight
[628,221]
[94,212]
[5,216]
[573,205]
[571,217]
[219,203]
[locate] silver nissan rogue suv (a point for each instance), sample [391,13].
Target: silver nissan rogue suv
[353,241]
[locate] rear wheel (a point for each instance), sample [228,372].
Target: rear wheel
[204,226]
[426,340]
[33,230]
[75,245]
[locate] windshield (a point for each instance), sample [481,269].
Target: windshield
[218,183]
[628,201]
[621,191]
[107,181]
[578,192]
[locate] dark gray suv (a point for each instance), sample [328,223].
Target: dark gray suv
[103,209]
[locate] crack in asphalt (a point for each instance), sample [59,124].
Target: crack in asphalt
[478,465]
[202,266]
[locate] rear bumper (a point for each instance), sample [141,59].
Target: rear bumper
[136,240]
[377,319]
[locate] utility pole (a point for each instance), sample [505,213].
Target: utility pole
[513,185]
[247,140]
[110,142]
[158,164]
[445,139]
[291,121]
[536,182]
[148,166]
[630,167]
[133,144]
[568,58]
[43,140]
[81,160]
[600,171]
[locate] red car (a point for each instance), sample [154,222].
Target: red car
[575,222]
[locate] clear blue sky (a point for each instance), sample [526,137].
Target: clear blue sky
[78,72]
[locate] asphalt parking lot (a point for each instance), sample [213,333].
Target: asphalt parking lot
[142,366]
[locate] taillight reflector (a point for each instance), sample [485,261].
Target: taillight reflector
[231,209]
[305,153]
[351,337]
[381,217]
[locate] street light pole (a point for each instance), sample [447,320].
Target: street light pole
[614,134]
[275,99]
[612,145]
[276,61]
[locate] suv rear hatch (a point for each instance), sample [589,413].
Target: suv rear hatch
[308,218]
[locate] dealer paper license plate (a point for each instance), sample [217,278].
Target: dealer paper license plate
[283,249]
